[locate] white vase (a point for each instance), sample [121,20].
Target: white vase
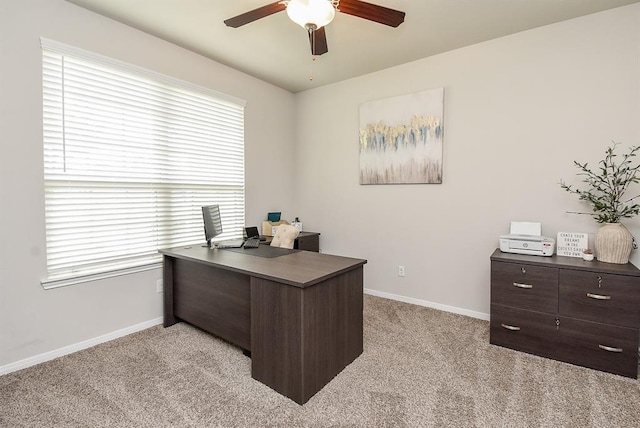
[613,243]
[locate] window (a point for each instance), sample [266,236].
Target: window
[130,157]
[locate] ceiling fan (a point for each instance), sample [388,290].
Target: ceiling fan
[313,15]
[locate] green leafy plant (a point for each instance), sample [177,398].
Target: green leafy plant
[607,185]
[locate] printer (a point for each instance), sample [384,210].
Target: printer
[525,238]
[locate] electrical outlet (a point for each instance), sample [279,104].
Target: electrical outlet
[159,286]
[400,270]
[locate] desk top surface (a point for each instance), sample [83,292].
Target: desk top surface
[300,268]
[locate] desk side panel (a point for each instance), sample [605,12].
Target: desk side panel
[276,336]
[215,300]
[333,328]
[301,338]
[169,318]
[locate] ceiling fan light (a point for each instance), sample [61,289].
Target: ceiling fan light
[315,12]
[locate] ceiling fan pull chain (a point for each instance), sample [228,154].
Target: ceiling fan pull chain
[312,35]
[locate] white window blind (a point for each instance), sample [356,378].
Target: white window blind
[130,157]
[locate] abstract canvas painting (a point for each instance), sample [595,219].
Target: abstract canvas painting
[401,139]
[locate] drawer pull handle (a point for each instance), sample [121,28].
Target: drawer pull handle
[521,285]
[609,348]
[598,296]
[512,327]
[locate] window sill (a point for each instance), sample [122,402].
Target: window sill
[57,282]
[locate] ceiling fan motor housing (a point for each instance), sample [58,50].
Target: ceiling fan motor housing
[308,13]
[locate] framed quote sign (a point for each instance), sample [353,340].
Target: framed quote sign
[571,244]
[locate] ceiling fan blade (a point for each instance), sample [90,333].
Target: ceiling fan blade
[254,15]
[372,12]
[318,40]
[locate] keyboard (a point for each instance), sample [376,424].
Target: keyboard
[252,242]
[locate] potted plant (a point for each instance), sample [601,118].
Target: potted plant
[605,192]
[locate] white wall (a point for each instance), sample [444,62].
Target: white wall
[34,321]
[518,111]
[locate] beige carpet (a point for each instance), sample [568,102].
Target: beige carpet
[420,368]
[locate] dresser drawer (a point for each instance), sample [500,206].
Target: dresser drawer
[605,298]
[525,286]
[522,330]
[599,346]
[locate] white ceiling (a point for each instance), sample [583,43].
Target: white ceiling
[276,50]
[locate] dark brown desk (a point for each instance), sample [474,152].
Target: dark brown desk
[299,314]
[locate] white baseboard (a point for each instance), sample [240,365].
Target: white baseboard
[427,304]
[47,356]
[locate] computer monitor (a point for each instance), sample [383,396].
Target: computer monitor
[212,222]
